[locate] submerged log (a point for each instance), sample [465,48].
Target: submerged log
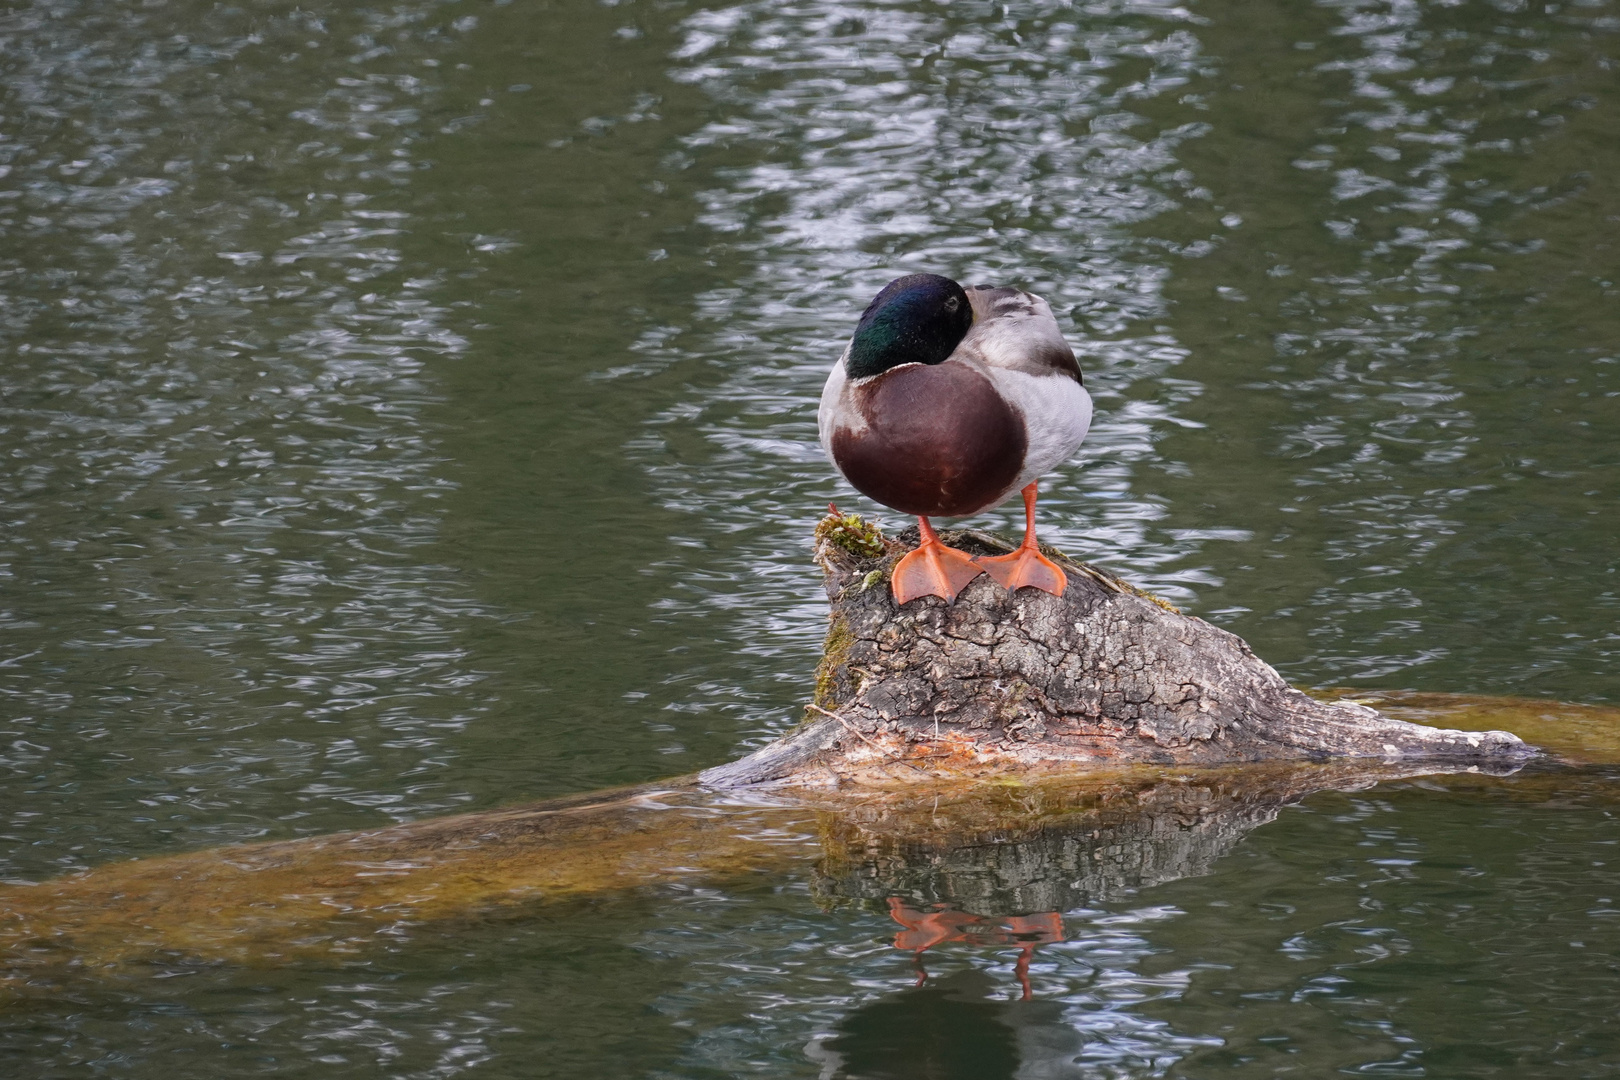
[1002,682]
[986,848]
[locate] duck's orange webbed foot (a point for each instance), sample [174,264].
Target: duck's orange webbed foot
[932,570]
[1026,566]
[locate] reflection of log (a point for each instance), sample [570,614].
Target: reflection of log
[1068,842]
[1003,682]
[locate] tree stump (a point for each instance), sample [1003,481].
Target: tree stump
[1000,682]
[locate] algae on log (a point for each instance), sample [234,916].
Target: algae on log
[1012,682]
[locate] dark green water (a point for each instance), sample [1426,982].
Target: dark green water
[409,409]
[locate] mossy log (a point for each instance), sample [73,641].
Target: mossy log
[1001,682]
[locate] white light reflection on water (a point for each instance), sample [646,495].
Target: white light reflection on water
[1344,376]
[872,152]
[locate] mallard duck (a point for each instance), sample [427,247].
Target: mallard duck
[945,402]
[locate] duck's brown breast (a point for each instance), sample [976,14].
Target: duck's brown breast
[939,440]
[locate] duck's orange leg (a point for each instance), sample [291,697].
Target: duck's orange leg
[1026,566]
[933,569]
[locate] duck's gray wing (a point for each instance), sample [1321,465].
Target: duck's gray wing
[1016,330]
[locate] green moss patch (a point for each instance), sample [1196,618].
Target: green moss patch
[852,533]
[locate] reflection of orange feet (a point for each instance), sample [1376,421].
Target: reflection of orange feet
[933,569]
[1026,566]
[925,929]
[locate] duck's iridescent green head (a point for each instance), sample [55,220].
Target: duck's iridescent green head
[916,319]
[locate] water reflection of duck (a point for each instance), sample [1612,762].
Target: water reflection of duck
[954,1028]
[941,923]
[945,402]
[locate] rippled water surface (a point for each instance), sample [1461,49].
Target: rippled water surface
[409,409]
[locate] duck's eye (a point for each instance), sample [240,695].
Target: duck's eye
[952,303]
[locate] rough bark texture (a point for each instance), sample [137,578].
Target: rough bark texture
[1103,674]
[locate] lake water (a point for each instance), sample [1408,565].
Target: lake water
[408,410]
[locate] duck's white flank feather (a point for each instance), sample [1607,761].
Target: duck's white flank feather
[1057,415]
